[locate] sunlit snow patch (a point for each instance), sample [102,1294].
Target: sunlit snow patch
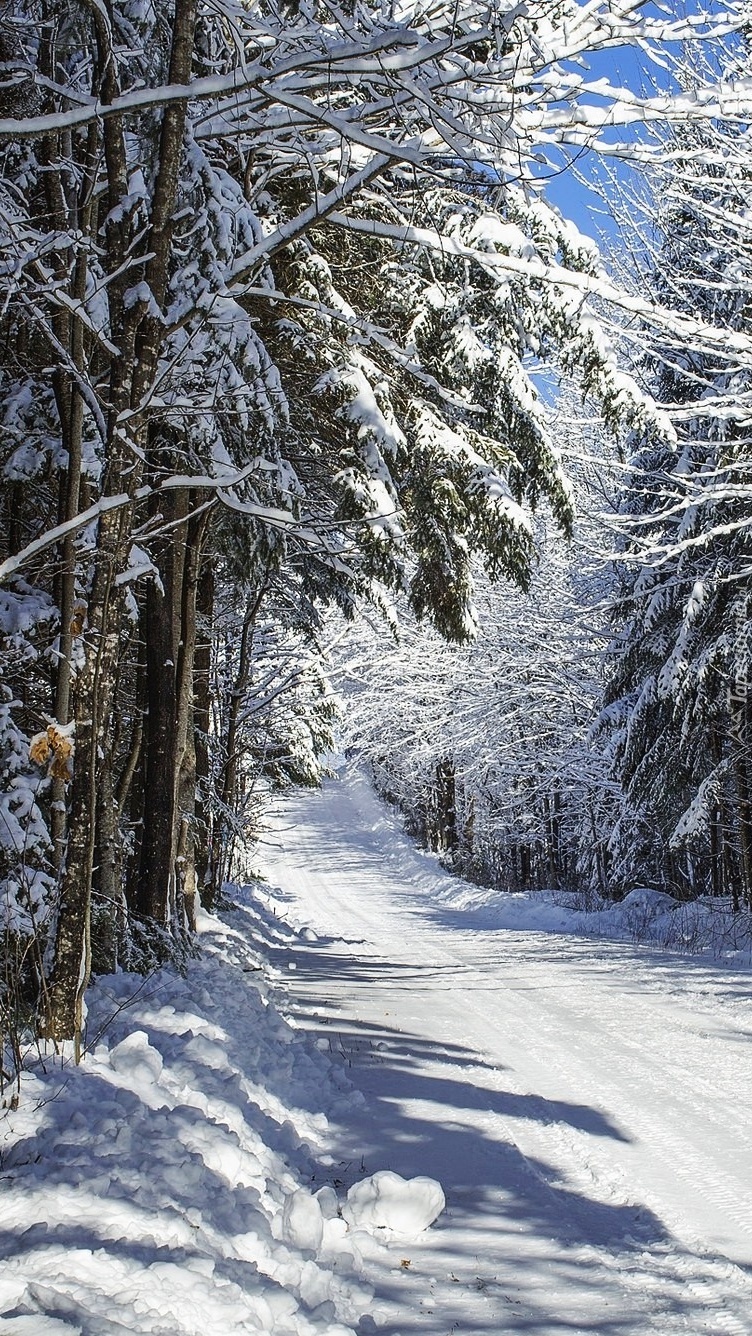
[165,1185]
[405,1206]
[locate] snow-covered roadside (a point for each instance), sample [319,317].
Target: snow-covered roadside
[706,926]
[645,916]
[178,1181]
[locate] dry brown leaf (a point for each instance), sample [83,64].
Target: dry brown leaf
[60,769]
[78,619]
[60,742]
[62,749]
[53,747]
[39,749]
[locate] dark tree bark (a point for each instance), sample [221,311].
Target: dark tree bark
[446,807]
[137,330]
[184,832]
[202,725]
[152,895]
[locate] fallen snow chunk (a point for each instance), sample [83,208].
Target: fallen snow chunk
[282,1304]
[302,1221]
[406,1206]
[12,1290]
[211,1054]
[334,1237]
[136,1058]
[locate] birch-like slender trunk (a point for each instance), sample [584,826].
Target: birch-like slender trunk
[223,834]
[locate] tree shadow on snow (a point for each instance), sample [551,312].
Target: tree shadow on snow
[441,1110]
[437,1109]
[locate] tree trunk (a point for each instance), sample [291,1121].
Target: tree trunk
[186,848]
[107,905]
[78,208]
[131,792]
[739,734]
[93,696]
[157,847]
[228,796]
[135,328]
[744,825]
[185,760]
[202,725]
[446,806]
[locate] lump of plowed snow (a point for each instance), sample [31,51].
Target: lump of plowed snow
[406,1206]
[134,1057]
[652,902]
[35,1324]
[302,1221]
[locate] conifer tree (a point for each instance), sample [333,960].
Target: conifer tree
[678,701]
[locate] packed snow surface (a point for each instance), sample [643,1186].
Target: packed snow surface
[384,1101]
[582,1100]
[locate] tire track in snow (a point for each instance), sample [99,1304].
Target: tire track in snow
[590,1164]
[665,1153]
[686,1154]
[593,1164]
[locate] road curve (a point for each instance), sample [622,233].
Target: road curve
[585,1104]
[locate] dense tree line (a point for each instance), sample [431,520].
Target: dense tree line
[485,747]
[271,283]
[599,737]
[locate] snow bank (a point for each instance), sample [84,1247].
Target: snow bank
[178,1182]
[707,925]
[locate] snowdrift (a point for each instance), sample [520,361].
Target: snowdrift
[178,1182]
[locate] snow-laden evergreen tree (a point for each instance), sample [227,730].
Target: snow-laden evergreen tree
[677,707]
[287,264]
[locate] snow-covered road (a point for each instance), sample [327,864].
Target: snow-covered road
[584,1103]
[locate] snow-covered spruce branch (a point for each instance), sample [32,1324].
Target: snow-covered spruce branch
[645,552]
[703,335]
[365,332]
[272,515]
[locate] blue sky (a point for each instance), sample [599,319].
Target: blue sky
[625,66]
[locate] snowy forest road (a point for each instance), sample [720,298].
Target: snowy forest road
[584,1103]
